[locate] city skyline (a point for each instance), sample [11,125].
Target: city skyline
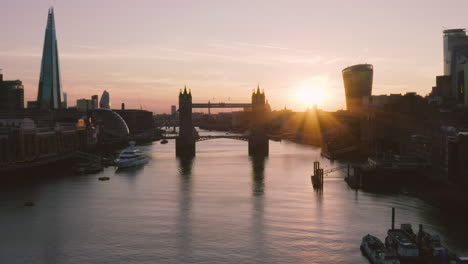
[169,45]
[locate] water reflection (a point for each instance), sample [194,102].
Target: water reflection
[319,196]
[258,174]
[130,171]
[184,227]
[185,166]
[220,207]
[258,219]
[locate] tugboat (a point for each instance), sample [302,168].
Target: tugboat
[376,252]
[130,157]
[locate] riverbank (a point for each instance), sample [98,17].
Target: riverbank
[450,198]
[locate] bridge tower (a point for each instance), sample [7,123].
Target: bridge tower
[185,143]
[258,139]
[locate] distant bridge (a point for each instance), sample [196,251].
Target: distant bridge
[221,105]
[258,140]
[203,138]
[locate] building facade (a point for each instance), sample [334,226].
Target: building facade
[357,83]
[11,94]
[452,38]
[85,105]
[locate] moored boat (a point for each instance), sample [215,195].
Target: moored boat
[403,244]
[376,252]
[130,157]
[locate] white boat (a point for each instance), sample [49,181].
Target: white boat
[376,252]
[130,157]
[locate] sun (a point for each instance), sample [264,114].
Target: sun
[310,95]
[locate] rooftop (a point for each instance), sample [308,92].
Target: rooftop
[455,30]
[358,67]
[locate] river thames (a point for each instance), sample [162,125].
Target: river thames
[220,207]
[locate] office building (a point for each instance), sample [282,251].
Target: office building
[105,100]
[455,58]
[358,84]
[11,94]
[95,100]
[443,87]
[457,157]
[65,101]
[50,95]
[173,110]
[84,104]
[461,84]
[452,38]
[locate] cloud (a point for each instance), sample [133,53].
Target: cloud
[88,47]
[30,53]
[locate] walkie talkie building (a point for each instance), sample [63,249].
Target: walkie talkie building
[50,94]
[357,83]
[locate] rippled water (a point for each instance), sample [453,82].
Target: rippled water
[221,207]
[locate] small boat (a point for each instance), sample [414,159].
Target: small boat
[130,157]
[105,178]
[376,252]
[164,141]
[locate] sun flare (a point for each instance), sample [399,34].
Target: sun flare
[310,95]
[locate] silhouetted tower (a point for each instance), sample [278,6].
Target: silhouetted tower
[258,140]
[185,143]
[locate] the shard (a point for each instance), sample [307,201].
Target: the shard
[50,94]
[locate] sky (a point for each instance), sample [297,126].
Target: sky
[144,51]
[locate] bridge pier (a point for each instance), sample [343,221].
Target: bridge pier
[185,147]
[259,145]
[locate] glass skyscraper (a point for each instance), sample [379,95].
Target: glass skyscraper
[357,83]
[50,95]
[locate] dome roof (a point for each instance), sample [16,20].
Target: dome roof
[111,124]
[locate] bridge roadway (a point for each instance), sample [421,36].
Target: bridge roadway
[203,138]
[221,105]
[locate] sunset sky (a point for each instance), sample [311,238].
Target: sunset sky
[143,52]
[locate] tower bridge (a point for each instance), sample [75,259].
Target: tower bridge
[221,105]
[258,143]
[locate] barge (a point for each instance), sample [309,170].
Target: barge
[408,247]
[376,252]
